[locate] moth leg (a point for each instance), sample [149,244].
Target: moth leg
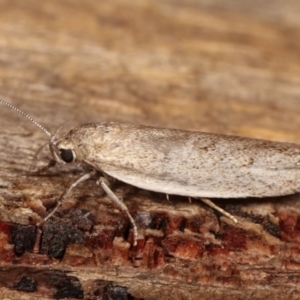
[167,196]
[219,209]
[51,164]
[66,193]
[123,208]
[34,159]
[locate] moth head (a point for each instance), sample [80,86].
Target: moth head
[62,149]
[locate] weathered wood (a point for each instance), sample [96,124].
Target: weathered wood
[229,68]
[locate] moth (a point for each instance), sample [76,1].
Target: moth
[176,162]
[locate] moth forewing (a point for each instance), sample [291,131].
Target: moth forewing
[191,164]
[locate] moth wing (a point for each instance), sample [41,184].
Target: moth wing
[197,164]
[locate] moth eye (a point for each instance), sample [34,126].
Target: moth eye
[66,155]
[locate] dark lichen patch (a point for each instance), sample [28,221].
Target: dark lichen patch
[67,286]
[25,284]
[23,238]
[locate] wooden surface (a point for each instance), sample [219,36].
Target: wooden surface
[227,67]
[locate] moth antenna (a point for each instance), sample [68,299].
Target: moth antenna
[60,127]
[26,116]
[53,137]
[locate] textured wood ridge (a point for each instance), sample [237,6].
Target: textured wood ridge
[230,68]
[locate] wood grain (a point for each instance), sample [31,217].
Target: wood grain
[225,67]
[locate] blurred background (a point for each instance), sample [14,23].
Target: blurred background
[229,67]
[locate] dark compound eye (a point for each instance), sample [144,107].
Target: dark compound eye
[66,155]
